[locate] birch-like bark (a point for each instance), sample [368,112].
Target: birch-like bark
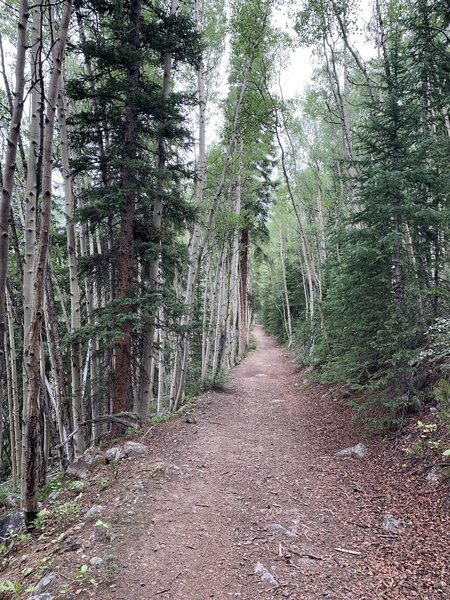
[75,314]
[212,304]
[161,369]
[34,167]
[13,396]
[286,293]
[235,283]
[181,365]
[63,412]
[357,57]
[220,315]
[31,435]
[205,305]
[9,170]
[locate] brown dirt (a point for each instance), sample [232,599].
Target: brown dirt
[260,456]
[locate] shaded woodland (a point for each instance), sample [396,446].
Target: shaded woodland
[135,253]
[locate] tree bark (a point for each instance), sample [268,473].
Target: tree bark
[192,277]
[122,347]
[31,435]
[8,180]
[161,165]
[75,315]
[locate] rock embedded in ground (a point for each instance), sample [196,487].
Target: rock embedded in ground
[128,450]
[439,474]
[54,496]
[189,419]
[281,529]
[265,574]
[11,501]
[94,457]
[11,523]
[79,469]
[135,449]
[46,583]
[390,523]
[93,512]
[96,561]
[45,596]
[358,451]
[114,453]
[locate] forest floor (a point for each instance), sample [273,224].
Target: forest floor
[246,499]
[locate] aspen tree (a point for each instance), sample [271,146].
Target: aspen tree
[31,435]
[8,182]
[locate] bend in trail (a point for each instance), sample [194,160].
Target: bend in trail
[252,502]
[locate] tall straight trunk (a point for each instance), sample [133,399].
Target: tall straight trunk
[243,270]
[8,182]
[86,249]
[205,316]
[13,396]
[235,287]
[33,183]
[63,409]
[122,347]
[212,304]
[220,315]
[307,259]
[161,369]
[285,290]
[31,434]
[94,294]
[75,316]
[192,277]
[161,166]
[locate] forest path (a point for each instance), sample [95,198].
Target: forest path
[254,484]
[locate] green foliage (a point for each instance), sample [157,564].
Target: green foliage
[252,343]
[441,394]
[101,482]
[381,296]
[9,587]
[100,523]
[218,382]
[54,484]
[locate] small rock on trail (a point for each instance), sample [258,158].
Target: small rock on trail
[358,451]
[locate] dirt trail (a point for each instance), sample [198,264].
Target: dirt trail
[254,484]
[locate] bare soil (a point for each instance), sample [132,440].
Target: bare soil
[248,488]
[261,457]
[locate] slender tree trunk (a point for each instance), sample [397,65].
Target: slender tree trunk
[161,370]
[286,293]
[205,331]
[13,397]
[180,371]
[8,182]
[63,409]
[243,269]
[75,314]
[31,435]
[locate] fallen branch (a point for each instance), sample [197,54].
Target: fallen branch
[126,419]
[352,552]
[305,554]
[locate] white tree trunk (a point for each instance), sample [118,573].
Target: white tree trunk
[75,310]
